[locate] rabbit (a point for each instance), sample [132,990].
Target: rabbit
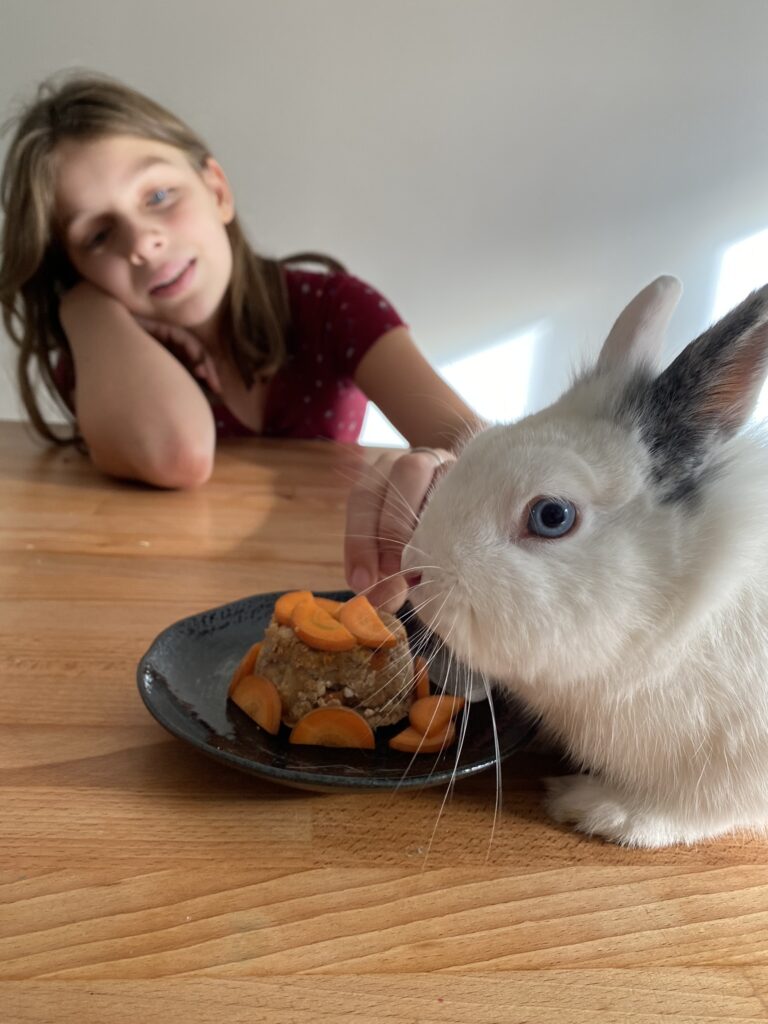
[605,561]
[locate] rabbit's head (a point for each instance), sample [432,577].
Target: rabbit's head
[569,540]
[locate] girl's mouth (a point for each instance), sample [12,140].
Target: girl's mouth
[176,284]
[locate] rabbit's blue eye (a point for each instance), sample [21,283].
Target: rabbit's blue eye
[551,517]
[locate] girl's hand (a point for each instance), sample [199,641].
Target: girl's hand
[187,346]
[383,510]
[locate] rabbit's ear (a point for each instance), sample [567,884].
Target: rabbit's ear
[702,398]
[717,379]
[638,334]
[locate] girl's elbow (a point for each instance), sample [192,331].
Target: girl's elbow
[180,464]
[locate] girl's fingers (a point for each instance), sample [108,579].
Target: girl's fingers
[202,364]
[409,480]
[382,515]
[158,330]
[207,371]
[361,550]
[172,335]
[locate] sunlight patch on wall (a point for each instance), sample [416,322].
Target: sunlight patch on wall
[744,268]
[494,382]
[377,430]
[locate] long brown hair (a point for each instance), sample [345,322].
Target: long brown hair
[35,272]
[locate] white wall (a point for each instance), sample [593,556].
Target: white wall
[489,164]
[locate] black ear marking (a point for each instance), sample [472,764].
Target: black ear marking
[702,398]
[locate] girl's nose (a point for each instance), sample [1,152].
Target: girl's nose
[142,243]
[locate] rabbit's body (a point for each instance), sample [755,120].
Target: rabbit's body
[639,636]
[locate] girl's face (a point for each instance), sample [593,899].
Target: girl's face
[141,223]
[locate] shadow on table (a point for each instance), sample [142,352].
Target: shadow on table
[166,766]
[299,501]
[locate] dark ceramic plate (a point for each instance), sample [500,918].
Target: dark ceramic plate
[183,680]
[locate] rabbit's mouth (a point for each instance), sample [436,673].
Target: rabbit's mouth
[453,624]
[452,675]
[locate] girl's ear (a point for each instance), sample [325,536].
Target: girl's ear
[217,182]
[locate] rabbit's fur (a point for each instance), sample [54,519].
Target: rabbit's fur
[640,636]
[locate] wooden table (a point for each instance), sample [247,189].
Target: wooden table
[141,879]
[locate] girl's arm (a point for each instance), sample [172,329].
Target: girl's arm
[140,412]
[384,505]
[415,399]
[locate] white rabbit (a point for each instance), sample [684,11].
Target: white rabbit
[606,561]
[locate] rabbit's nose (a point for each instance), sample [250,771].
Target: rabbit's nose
[413,579]
[410,565]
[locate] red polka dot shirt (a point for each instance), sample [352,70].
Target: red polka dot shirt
[335,319]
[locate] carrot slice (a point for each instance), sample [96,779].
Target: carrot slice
[430,715]
[410,741]
[285,604]
[333,727]
[245,667]
[421,678]
[363,622]
[316,628]
[257,696]
[329,605]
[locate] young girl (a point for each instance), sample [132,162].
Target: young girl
[127,281]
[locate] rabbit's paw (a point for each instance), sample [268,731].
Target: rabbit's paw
[585,802]
[596,808]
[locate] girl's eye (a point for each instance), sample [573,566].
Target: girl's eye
[551,517]
[97,239]
[158,197]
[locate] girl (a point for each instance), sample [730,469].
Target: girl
[128,281]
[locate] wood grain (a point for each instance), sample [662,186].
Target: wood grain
[140,878]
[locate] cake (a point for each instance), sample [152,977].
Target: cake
[376,681]
[334,671]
